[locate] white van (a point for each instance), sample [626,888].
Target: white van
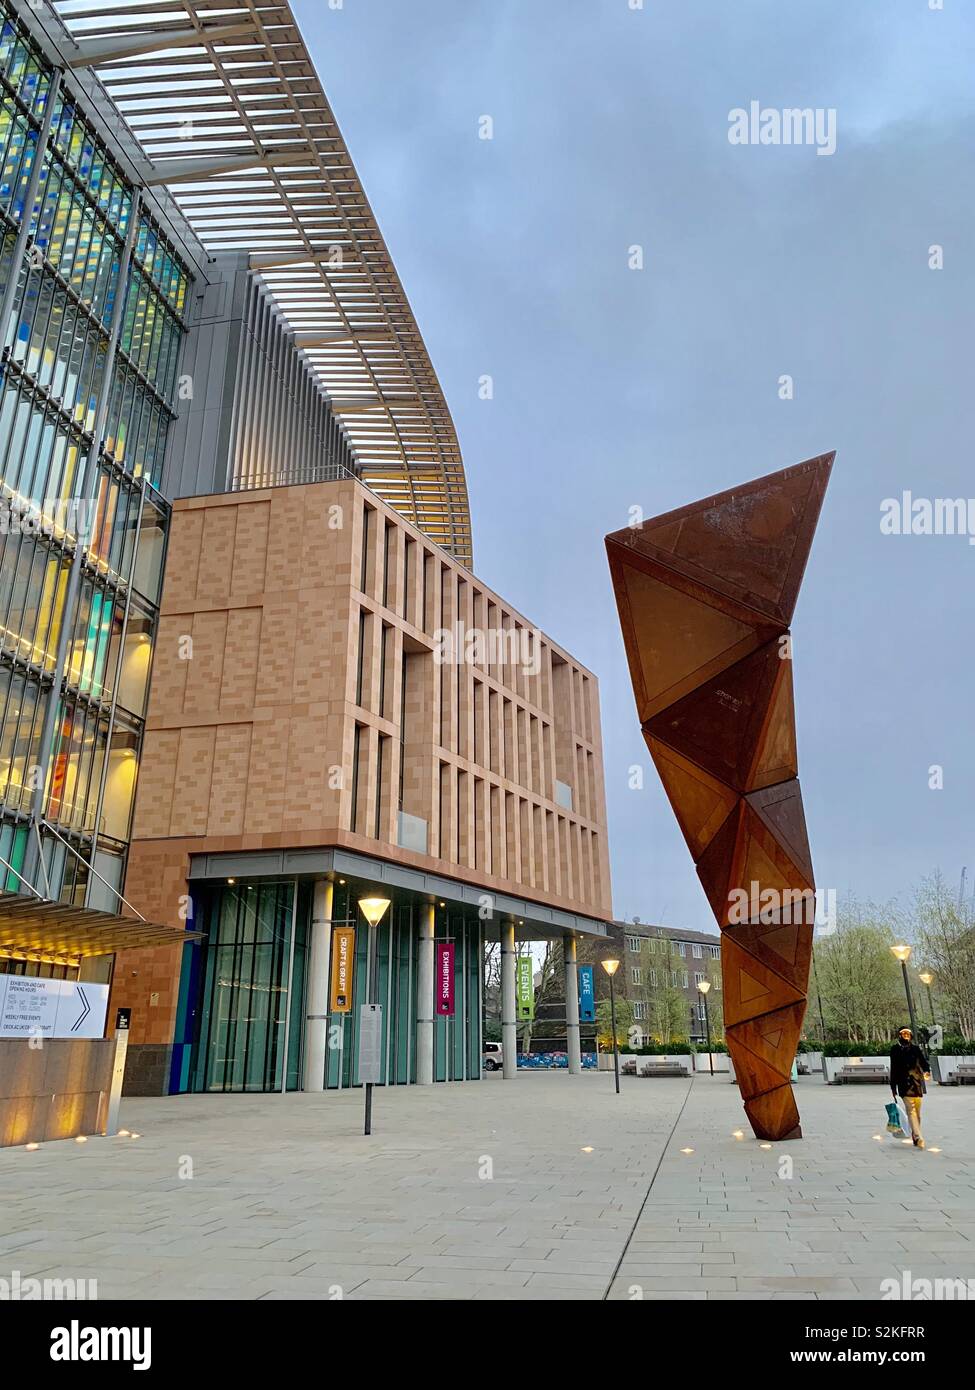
[492,1056]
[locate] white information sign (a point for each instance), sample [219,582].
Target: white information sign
[30,1007]
[370,1043]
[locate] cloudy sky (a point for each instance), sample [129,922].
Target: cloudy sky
[616,387]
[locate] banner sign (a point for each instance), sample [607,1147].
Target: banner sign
[525,992]
[343,956]
[587,995]
[31,1007]
[445,979]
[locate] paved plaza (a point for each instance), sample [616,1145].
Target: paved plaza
[545,1187]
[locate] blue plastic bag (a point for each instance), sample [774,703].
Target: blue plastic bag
[897,1122]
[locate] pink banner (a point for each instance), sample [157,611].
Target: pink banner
[445,979]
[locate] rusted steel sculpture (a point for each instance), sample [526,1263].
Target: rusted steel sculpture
[706,595]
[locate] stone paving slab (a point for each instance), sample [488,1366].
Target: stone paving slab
[487,1191]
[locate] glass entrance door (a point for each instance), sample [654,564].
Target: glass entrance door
[245,1002]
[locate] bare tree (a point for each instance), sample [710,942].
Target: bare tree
[944,933]
[859,977]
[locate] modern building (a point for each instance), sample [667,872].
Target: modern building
[340,710]
[96,279]
[660,970]
[197,304]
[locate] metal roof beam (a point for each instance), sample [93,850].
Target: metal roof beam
[189,170]
[92,52]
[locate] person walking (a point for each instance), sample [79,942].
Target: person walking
[908,1072]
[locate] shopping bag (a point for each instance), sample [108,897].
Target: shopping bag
[896,1119]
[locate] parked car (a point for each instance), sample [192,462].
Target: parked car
[492,1057]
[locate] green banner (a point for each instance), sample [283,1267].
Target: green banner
[525,991]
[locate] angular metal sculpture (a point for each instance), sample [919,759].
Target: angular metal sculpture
[706,595]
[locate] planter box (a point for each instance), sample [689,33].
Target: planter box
[943,1067]
[721,1062]
[684,1059]
[810,1063]
[832,1066]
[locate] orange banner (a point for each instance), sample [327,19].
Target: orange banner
[343,956]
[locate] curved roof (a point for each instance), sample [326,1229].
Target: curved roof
[226,104]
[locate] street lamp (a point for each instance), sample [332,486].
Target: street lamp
[704,986]
[374,910]
[903,954]
[927,979]
[611,967]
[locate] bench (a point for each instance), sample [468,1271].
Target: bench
[628,1066]
[662,1069]
[963,1075]
[863,1071]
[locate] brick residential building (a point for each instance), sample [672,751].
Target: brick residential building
[660,968]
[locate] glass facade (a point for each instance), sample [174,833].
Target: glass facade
[231,1032]
[60,382]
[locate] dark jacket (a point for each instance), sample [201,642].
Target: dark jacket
[907,1067]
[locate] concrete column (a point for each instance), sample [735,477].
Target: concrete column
[572,1044]
[509,1025]
[424,999]
[317,988]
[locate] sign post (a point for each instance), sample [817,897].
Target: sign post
[123,1018]
[370,1053]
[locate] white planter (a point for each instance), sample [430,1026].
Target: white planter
[832,1066]
[720,1059]
[812,1061]
[944,1066]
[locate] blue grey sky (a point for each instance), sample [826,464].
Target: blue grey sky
[615,387]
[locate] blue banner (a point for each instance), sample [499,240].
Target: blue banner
[587,995]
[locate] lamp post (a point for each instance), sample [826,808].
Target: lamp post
[704,986]
[611,967]
[903,954]
[373,909]
[927,980]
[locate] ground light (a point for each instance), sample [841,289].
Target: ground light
[611,967]
[374,910]
[903,953]
[704,986]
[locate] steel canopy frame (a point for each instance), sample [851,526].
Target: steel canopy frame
[232,118]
